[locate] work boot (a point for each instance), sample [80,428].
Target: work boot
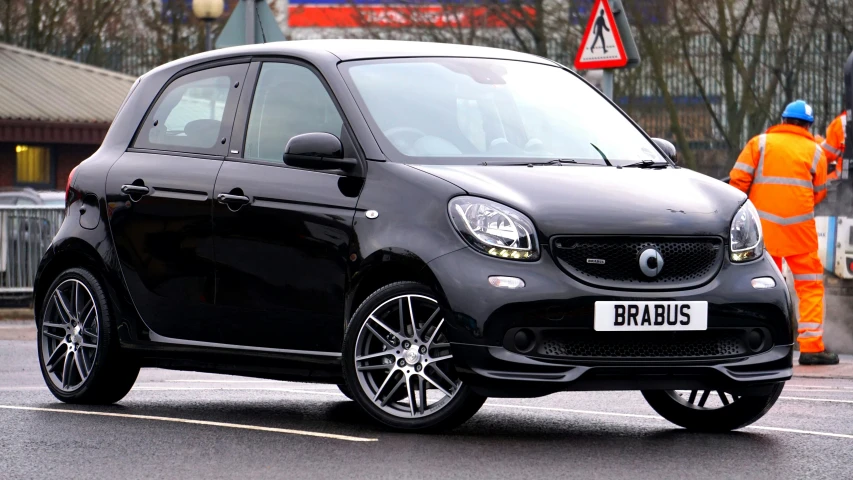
[819,358]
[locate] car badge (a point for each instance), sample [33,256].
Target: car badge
[651,262]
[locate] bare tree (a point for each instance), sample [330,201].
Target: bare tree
[659,48]
[65,25]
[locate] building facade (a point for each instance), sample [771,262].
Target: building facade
[54,113]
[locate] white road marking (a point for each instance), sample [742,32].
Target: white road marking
[817,390]
[655,417]
[488,404]
[154,388]
[197,422]
[812,399]
[569,410]
[218,381]
[818,386]
[804,432]
[263,389]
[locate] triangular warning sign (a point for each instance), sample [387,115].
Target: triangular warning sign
[601,46]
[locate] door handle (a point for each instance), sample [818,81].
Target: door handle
[135,190]
[232,200]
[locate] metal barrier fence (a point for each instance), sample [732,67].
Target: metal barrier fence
[25,234]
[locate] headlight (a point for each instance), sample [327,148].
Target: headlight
[747,243]
[494,229]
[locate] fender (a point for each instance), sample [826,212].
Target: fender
[403,237]
[95,251]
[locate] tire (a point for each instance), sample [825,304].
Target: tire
[345,390]
[76,336]
[737,413]
[425,367]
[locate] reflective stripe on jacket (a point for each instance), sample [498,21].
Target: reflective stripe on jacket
[835,136]
[833,145]
[784,173]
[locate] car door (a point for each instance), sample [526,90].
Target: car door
[160,195]
[281,251]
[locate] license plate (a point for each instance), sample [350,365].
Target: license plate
[650,316]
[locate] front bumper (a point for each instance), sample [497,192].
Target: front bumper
[497,372]
[484,319]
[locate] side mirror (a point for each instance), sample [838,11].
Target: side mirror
[668,148]
[317,151]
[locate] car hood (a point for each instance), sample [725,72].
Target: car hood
[597,200]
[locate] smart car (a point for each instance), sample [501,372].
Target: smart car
[424,225]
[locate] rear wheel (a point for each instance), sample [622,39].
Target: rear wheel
[398,364]
[711,411]
[78,348]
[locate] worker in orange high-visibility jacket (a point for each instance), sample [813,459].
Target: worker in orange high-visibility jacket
[833,145]
[784,173]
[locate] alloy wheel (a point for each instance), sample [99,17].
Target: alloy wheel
[69,335]
[703,399]
[402,357]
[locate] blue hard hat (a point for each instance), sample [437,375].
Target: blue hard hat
[799,110]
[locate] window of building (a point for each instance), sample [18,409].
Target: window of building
[289,100]
[33,165]
[189,115]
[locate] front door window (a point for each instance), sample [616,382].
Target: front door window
[289,100]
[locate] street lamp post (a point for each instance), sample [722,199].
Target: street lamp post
[208,11]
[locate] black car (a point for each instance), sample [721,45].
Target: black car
[423,225]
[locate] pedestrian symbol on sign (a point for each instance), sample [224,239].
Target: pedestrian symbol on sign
[600,27]
[601,46]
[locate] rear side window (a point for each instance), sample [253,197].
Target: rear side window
[192,113]
[289,100]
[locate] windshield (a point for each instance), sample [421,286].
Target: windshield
[468,111]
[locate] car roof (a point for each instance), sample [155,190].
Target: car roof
[359,49]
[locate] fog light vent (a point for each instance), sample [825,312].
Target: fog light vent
[755,340]
[524,340]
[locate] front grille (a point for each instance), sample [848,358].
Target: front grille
[614,262]
[627,346]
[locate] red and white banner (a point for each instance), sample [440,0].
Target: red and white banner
[395,16]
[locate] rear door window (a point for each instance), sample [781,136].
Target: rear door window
[194,112]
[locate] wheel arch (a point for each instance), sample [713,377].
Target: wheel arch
[384,267]
[74,252]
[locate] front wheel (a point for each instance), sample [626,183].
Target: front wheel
[398,364]
[711,411]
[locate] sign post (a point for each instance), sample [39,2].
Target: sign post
[252,21]
[607,43]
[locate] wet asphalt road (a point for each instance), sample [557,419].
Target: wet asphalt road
[808,434]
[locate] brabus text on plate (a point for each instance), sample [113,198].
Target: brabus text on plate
[650,316]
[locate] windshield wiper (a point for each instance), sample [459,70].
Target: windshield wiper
[603,156]
[556,161]
[646,164]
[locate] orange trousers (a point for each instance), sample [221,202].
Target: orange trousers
[808,282]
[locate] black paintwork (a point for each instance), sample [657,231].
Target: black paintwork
[231,265]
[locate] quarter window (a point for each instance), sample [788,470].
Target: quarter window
[289,100]
[188,116]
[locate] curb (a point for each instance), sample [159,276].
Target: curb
[16,314]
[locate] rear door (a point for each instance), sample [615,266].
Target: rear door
[282,253]
[160,201]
